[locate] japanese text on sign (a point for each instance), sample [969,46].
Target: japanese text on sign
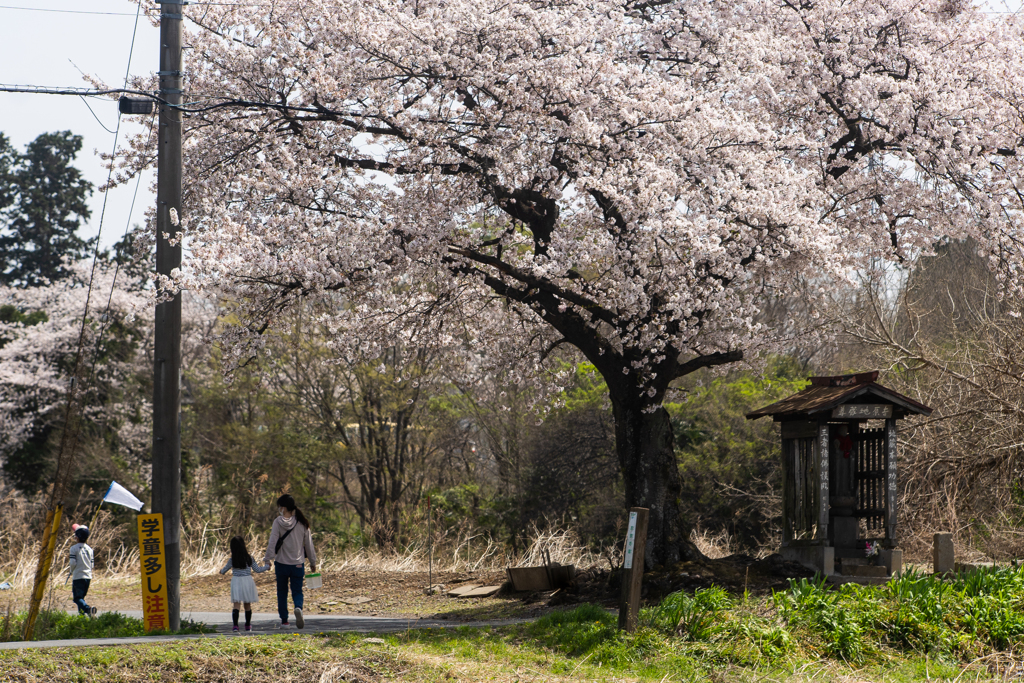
[865,410]
[155,615]
[630,542]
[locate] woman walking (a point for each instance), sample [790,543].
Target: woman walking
[290,544]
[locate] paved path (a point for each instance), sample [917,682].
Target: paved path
[267,623]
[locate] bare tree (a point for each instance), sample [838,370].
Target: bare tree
[945,337]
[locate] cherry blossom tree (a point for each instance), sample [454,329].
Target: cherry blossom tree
[634,179]
[39,338]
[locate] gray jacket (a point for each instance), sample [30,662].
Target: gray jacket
[296,547]
[81,561]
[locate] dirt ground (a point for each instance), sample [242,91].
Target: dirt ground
[365,593]
[404,594]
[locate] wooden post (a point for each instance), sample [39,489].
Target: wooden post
[167,317]
[633,568]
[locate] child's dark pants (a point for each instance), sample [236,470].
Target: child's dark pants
[79,588]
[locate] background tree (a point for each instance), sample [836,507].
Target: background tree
[45,199]
[496,180]
[39,333]
[8,160]
[940,327]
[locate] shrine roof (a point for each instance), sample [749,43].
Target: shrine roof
[826,393]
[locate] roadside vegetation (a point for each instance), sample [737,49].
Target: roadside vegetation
[52,624]
[914,628]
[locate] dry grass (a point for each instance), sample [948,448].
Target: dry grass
[718,545]
[205,547]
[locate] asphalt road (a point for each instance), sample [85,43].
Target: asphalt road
[264,623]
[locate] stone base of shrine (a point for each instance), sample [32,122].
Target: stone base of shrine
[820,558]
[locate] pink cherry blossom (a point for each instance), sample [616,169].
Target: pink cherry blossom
[632,179]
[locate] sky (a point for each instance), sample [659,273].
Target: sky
[53,49]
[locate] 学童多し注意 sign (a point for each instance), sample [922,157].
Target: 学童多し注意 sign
[155,612]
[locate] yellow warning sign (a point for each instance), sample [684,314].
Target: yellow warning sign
[155,613]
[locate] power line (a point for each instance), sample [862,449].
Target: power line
[72,427]
[89,107]
[68,11]
[186,107]
[64,476]
[68,90]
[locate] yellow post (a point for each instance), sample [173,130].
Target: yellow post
[43,568]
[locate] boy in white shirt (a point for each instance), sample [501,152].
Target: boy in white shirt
[81,561]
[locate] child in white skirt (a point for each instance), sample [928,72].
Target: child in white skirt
[243,588]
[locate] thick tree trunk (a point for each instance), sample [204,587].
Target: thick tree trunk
[644,443]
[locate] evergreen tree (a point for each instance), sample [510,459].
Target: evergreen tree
[43,201]
[8,159]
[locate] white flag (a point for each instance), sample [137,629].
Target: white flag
[119,495]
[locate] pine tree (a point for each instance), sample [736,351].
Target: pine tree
[43,202]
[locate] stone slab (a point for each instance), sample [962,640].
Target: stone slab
[866,570]
[358,600]
[462,590]
[481,592]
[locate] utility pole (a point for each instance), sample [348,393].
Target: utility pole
[167,328]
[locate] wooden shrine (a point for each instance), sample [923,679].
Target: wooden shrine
[839,474]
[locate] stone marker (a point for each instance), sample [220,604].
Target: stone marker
[942,553]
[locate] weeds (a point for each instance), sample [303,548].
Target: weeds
[693,618]
[958,617]
[60,625]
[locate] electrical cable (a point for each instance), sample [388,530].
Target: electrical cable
[68,11]
[86,102]
[66,454]
[105,318]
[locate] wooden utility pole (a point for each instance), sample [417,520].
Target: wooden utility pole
[167,329]
[633,568]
